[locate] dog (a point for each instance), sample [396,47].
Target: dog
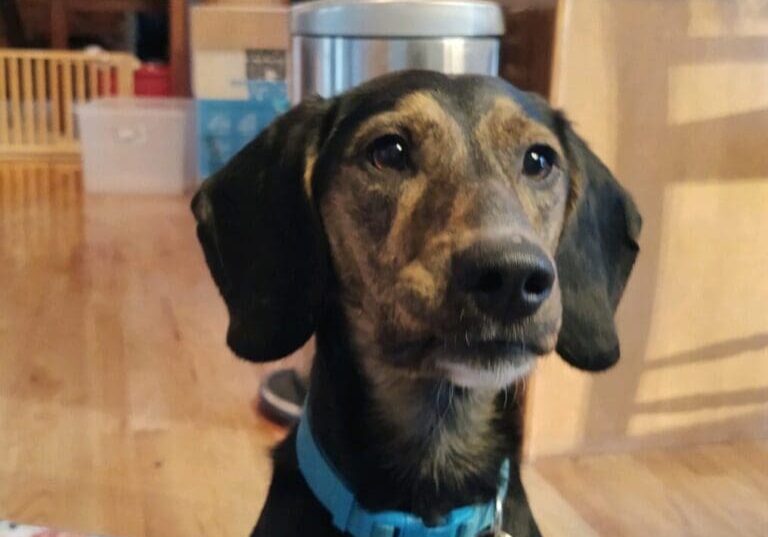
[439,234]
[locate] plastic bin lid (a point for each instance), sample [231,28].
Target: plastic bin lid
[133,105]
[398,18]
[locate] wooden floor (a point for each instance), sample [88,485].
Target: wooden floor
[122,413]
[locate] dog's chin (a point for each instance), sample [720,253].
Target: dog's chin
[496,375]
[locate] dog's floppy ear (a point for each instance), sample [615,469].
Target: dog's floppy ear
[261,237]
[596,253]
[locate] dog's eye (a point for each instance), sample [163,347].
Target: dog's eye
[389,151]
[539,161]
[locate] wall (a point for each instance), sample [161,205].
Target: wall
[673,94]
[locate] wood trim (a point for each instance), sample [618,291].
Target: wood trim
[178,17]
[59,26]
[65,54]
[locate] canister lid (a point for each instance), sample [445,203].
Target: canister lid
[397,18]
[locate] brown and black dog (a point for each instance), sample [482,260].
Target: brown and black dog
[439,234]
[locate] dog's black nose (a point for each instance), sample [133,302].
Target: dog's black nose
[504,279]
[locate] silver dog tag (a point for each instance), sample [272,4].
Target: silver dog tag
[495,530]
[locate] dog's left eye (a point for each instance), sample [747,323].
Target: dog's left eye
[389,151]
[539,161]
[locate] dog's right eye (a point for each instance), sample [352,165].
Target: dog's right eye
[539,161]
[389,151]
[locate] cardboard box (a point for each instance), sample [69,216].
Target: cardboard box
[240,56]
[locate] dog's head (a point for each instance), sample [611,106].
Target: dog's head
[461,224]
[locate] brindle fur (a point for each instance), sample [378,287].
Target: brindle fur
[389,324]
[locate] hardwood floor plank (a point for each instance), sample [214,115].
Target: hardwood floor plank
[707,491]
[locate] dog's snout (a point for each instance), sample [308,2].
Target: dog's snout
[505,280]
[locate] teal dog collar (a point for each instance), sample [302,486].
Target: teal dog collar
[350,517]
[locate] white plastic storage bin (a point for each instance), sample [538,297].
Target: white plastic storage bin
[138,145]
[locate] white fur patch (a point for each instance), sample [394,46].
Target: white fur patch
[497,378]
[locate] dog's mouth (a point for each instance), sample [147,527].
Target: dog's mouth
[488,364]
[467,348]
[470,363]
[495,375]
[494,349]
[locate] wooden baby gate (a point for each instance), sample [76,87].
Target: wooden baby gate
[39,90]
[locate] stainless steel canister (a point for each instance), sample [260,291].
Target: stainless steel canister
[338,44]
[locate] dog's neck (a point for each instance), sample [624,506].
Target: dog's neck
[409,444]
[442,433]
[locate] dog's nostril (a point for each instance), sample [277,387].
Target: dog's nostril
[537,284]
[488,282]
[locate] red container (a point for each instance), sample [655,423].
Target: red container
[152,80]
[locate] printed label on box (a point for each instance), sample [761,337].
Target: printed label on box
[230,74]
[269,65]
